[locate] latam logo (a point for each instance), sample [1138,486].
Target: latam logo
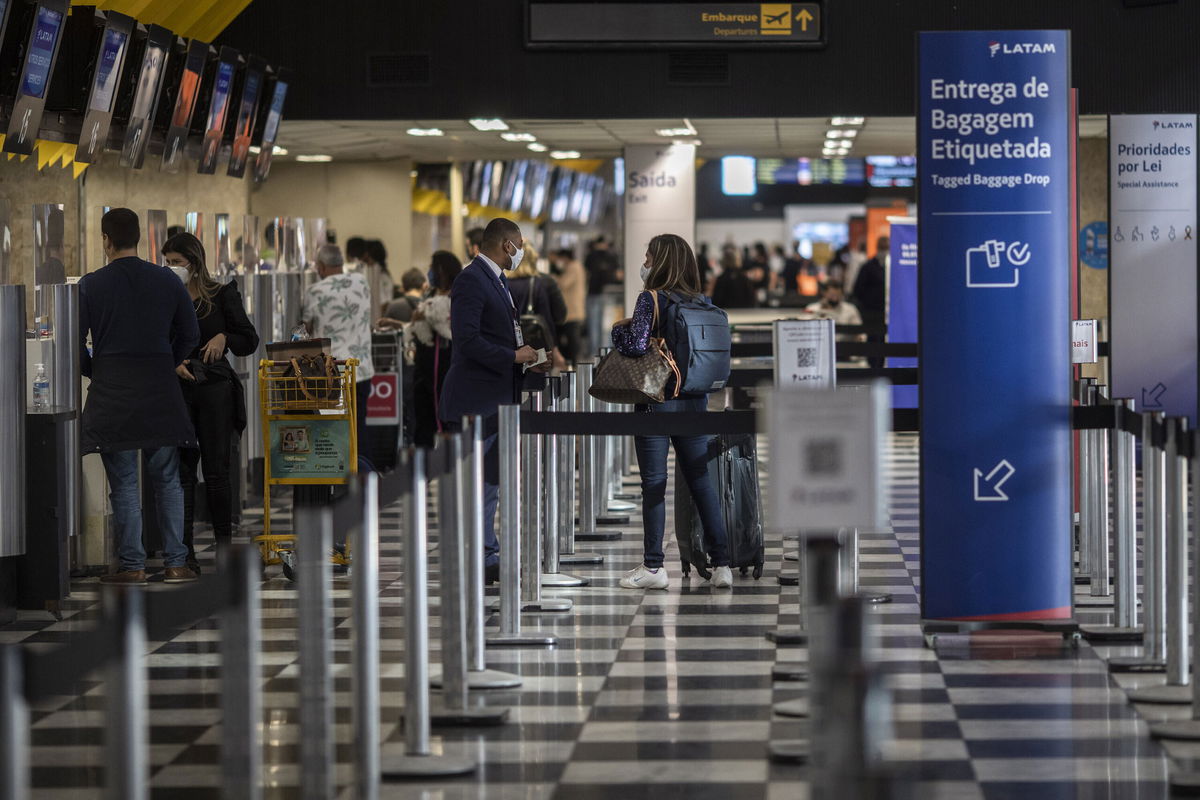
[1166,126]
[1020,48]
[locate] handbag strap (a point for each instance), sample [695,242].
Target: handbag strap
[529,300]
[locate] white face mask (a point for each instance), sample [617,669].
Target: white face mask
[645,273]
[516,257]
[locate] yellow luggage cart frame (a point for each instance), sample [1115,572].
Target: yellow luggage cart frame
[309,437]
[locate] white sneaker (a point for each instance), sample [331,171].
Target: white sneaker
[644,578]
[722,578]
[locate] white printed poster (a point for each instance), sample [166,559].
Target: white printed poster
[805,354]
[1152,255]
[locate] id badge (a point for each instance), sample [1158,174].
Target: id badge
[517,333]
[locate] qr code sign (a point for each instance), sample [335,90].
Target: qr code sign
[806,357]
[823,457]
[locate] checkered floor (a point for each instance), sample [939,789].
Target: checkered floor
[658,694]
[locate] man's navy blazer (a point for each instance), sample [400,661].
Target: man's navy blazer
[482,374]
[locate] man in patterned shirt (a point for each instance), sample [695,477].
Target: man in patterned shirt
[338,307]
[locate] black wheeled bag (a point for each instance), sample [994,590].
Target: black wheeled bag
[733,469]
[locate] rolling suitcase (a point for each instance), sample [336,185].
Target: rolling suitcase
[733,469]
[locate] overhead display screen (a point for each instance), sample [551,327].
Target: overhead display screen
[812,171]
[891,170]
[247,112]
[185,105]
[145,97]
[262,164]
[218,109]
[108,69]
[41,52]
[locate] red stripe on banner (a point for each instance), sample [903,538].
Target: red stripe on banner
[1063,612]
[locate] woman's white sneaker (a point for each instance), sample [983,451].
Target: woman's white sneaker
[722,577]
[642,577]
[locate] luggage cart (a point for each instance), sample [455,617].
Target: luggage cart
[309,438]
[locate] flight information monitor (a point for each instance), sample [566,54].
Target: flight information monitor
[891,170]
[811,171]
[114,43]
[145,98]
[40,54]
[185,105]
[218,109]
[247,112]
[262,165]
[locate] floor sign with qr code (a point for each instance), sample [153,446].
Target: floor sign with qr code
[826,458]
[805,354]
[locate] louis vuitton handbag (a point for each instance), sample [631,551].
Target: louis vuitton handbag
[636,379]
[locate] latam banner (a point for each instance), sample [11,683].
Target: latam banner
[1152,253]
[995,351]
[902,301]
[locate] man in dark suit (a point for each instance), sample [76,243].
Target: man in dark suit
[870,293]
[487,357]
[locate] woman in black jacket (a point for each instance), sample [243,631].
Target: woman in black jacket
[211,389]
[526,283]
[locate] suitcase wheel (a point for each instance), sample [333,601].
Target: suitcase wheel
[704,572]
[686,568]
[744,571]
[758,570]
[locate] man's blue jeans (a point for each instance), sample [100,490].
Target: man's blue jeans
[162,470]
[692,454]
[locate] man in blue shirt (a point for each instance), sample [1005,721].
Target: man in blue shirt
[143,326]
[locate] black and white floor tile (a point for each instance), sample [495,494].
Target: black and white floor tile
[650,695]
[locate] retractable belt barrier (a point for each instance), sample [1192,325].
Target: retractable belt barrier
[132,616]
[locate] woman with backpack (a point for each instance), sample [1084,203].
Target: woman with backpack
[671,277]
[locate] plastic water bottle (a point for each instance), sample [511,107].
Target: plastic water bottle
[41,388]
[300,333]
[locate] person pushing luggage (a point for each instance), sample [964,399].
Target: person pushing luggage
[672,283]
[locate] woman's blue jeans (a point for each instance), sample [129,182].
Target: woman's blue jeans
[693,455]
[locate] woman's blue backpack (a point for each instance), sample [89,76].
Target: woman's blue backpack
[698,333]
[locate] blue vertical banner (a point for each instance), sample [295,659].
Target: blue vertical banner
[902,301]
[995,238]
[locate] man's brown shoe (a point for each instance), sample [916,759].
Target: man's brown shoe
[178,575]
[129,577]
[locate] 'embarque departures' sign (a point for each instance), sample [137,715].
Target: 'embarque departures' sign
[551,24]
[995,235]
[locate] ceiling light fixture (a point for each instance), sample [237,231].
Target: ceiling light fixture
[425,132]
[316,159]
[518,137]
[687,130]
[538,147]
[564,154]
[833,134]
[693,142]
[848,121]
[850,133]
[488,124]
[255,149]
[279,151]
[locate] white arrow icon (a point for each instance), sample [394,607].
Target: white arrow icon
[993,481]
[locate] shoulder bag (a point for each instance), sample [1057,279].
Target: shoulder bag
[636,379]
[534,328]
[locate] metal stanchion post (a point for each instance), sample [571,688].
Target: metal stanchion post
[617,505]
[823,587]
[854,555]
[1086,482]
[241,679]
[365,650]
[569,498]
[471,477]
[591,493]
[1189,729]
[510,447]
[1124,480]
[1177,690]
[851,707]
[313,543]
[14,725]
[1101,557]
[126,745]
[455,708]
[418,759]
[1154,534]
[531,523]
[552,472]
